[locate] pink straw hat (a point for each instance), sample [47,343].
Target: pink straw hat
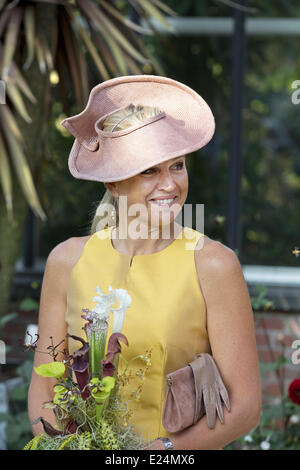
[185,125]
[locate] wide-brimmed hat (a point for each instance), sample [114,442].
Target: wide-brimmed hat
[185,125]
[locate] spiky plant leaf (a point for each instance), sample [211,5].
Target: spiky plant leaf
[82,28]
[5,177]
[29,27]
[11,39]
[17,100]
[22,170]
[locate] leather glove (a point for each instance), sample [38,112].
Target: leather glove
[210,390]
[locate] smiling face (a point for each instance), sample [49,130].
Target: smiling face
[161,190]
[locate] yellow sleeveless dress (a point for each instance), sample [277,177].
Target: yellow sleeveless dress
[167,313]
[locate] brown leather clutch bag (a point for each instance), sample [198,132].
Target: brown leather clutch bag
[193,391]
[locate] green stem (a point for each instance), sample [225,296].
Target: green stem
[99,409]
[128,362]
[98,355]
[97,349]
[116,363]
[91,353]
[107,401]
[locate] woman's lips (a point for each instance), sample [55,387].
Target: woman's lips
[163,202]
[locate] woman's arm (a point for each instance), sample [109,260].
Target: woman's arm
[230,326]
[51,323]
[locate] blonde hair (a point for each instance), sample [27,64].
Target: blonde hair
[122,119]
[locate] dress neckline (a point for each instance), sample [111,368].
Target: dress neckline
[148,255]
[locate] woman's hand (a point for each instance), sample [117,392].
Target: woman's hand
[157,444]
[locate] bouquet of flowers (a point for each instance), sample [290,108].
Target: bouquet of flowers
[90,413]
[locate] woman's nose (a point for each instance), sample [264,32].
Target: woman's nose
[166,181]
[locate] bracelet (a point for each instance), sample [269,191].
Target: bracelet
[168,444]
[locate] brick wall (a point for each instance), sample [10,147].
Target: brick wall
[274,336]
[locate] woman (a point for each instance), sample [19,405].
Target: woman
[188,291]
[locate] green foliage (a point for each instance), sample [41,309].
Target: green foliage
[107,434]
[52,369]
[260,302]
[268,435]
[29,304]
[18,429]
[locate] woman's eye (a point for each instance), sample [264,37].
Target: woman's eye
[148,172]
[180,165]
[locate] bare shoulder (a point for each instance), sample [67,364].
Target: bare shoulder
[65,255]
[213,257]
[68,252]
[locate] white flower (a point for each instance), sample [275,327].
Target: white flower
[265,445]
[100,313]
[294,419]
[248,438]
[280,337]
[104,303]
[276,401]
[119,312]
